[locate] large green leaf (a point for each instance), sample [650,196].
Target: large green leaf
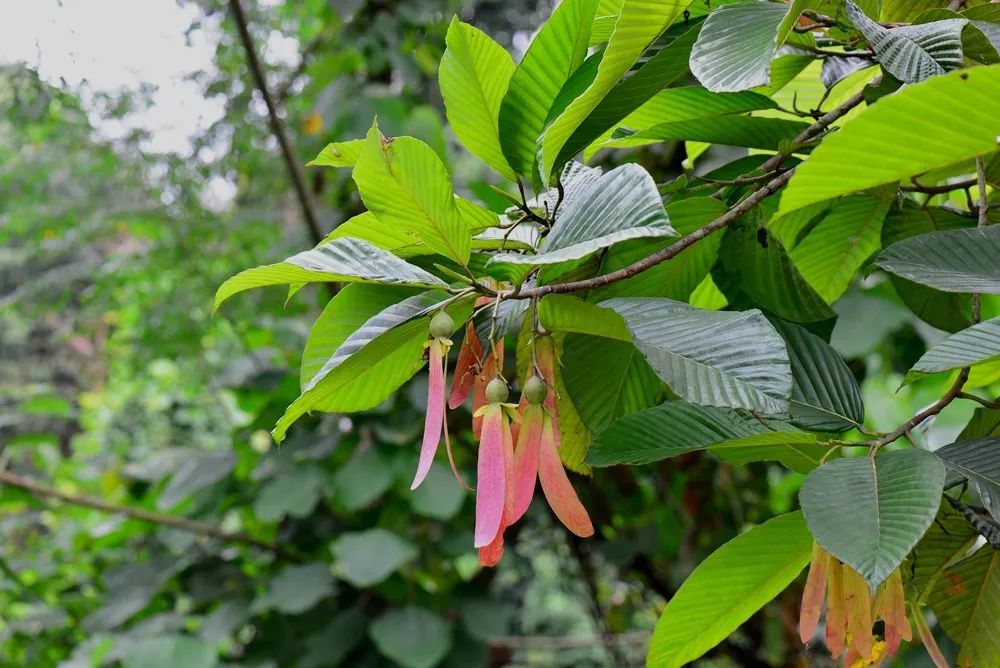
[979,343]
[343,315]
[367,227]
[676,427]
[678,277]
[668,64]
[620,205]
[977,461]
[473,76]
[966,603]
[738,41]
[639,23]
[412,637]
[344,259]
[339,154]
[704,357]
[984,422]
[405,184]
[756,263]
[870,512]
[607,379]
[734,582]
[952,261]
[366,558]
[555,53]
[945,310]
[825,394]
[912,53]
[749,131]
[565,313]
[907,133]
[373,362]
[840,244]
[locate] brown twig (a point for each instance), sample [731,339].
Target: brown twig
[770,165]
[995,404]
[193,526]
[292,163]
[955,391]
[938,190]
[662,256]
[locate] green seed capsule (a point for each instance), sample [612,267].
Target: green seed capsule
[535,390]
[496,391]
[442,325]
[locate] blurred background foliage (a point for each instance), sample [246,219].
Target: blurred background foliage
[124,402]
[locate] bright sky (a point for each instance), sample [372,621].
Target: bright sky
[110,45]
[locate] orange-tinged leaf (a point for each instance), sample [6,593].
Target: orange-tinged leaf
[836,610]
[813,594]
[859,612]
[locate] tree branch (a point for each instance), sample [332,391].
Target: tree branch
[955,391]
[739,209]
[661,256]
[938,190]
[277,125]
[41,490]
[995,404]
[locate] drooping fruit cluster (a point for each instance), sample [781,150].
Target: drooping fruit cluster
[851,612]
[517,443]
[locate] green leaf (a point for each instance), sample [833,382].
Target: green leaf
[343,315]
[366,558]
[984,422]
[907,133]
[639,23]
[361,480]
[870,513]
[373,362]
[825,394]
[977,344]
[728,587]
[367,227]
[840,244]
[566,313]
[666,66]
[619,205]
[977,461]
[339,154]
[678,277]
[738,42]
[196,473]
[758,265]
[404,183]
[683,103]
[703,355]
[297,589]
[966,603]
[473,76]
[944,310]
[912,53]
[169,650]
[962,260]
[554,54]
[438,497]
[749,131]
[293,494]
[343,259]
[677,427]
[412,637]
[607,379]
